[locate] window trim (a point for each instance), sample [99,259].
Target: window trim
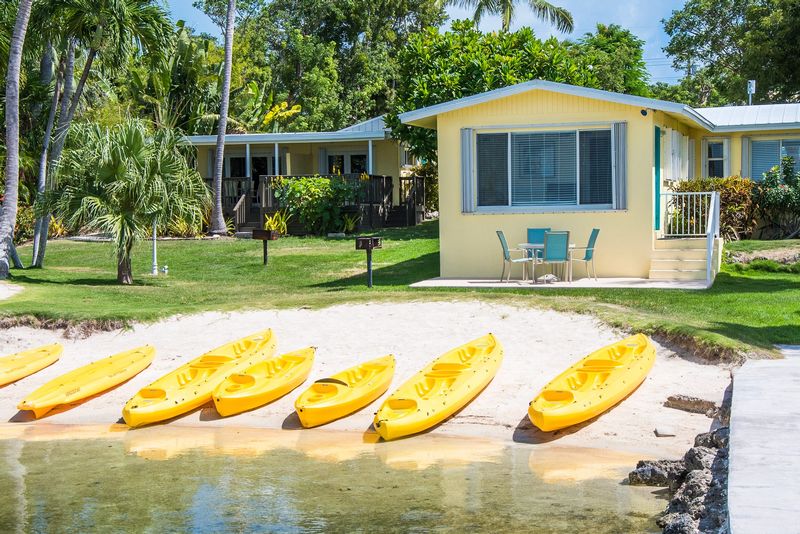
[575,128]
[726,155]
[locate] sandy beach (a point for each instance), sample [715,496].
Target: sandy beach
[539,344]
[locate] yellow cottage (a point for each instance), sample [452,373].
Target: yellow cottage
[548,155]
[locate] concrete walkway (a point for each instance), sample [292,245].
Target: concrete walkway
[582,283]
[764,469]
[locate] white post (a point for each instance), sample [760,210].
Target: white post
[154,271]
[369,156]
[277,160]
[247,160]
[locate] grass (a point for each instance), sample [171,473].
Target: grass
[758,246]
[746,310]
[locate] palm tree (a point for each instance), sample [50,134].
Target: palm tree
[218,226]
[113,29]
[121,180]
[555,15]
[9,216]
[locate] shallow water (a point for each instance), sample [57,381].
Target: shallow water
[212,480]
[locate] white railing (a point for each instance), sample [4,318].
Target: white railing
[686,214]
[712,233]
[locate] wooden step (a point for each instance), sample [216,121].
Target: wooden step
[679,254]
[681,243]
[676,264]
[675,274]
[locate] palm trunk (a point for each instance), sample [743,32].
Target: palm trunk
[45,75]
[42,178]
[124,270]
[217,220]
[9,216]
[69,102]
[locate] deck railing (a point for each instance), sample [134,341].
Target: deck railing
[372,189]
[686,214]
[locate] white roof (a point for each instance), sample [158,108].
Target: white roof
[372,129]
[375,124]
[771,116]
[733,118]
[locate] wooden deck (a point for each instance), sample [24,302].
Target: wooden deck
[764,469]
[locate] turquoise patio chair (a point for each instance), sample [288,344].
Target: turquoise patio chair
[556,250]
[508,260]
[536,235]
[588,255]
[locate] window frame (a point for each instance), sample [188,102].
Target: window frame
[545,208]
[726,156]
[779,138]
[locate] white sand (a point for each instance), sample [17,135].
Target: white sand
[8,290]
[539,344]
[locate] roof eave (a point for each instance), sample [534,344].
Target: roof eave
[756,127]
[288,138]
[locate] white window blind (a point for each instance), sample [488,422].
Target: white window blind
[543,168]
[763,156]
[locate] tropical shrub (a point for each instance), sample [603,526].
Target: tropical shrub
[316,201]
[26,219]
[777,199]
[350,222]
[736,207]
[120,181]
[278,222]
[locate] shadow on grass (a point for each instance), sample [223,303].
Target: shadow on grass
[89,282]
[765,337]
[754,282]
[399,274]
[426,230]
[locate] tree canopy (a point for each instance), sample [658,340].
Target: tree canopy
[727,42]
[436,67]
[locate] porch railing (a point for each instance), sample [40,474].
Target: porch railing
[686,214]
[240,212]
[694,215]
[373,189]
[712,233]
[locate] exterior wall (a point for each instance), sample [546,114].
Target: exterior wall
[468,243]
[735,139]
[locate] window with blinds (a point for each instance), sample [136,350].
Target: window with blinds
[766,154]
[596,172]
[492,169]
[545,168]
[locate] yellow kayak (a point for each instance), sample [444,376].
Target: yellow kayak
[345,392]
[445,386]
[190,386]
[88,380]
[263,382]
[594,384]
[22,364]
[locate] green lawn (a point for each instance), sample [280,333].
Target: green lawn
[748,310]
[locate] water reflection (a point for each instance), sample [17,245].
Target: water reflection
[216,479]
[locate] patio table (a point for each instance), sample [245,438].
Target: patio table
[533,247]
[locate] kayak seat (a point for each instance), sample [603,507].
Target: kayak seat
[153,393]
